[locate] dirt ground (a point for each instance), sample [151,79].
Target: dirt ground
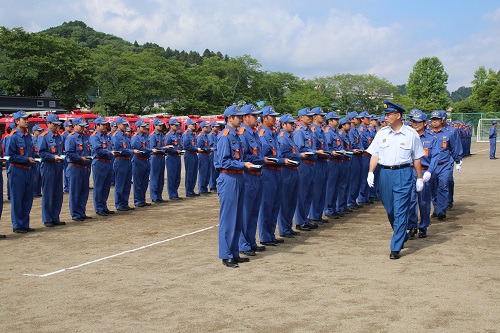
[156,270]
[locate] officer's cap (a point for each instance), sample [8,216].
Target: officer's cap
[332,115]
[173,121]
[318,111]
[392,107]
[233,110]
[121,121]
[418,116]
[37,128]
[494,122]
[269,111]
[54,119]
[363,115]
[157,122]
[305,112]
[80,121]
[100,121]
[287,118]
[250,109]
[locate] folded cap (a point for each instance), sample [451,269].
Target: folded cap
[233,110]
[20,114]
[287,118]
[100,121]
[250,109]
[305,112]
[269,111]
[332,115]
[121,121]
[392,107]
[318,111]
[54,119]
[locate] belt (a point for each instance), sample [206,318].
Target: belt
[272,167]
[367,154]
[322,159]
[78,165]
[191,152]
[158,154]
[102,160]
[232,171]
[142,158]
[336,160]
[291,167]
[395,167]
[21,166]
[423,168]
[204,153]
[255,173]
[123,158]
[309,162]
[358,154]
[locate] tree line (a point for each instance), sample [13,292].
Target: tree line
[80,66]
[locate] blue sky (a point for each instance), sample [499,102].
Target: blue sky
[307,38]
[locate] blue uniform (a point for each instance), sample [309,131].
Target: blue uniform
[396,150]
[230,187]
[304,139]
[252,152]
[355,173]
[271,181]
[346,171]
[203,142]
[190,161]
[213,171]
[320,172]
[122,168]
[289,183]
[423,198]
[334,172]
[102,169]
[64,136]
[456,156]
[78,146]
[37,185]
[173,163]
[20,178]
[492,136]
[366,139]
[157,174]
[141,167]
[49,145]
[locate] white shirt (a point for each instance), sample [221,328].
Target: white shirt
[396,148]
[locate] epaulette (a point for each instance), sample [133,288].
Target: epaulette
[298,127]
[186,131]
[282,134]
[341,132]
[94,133]
[327,129]
[226,132]
[44,133]
[313,128]
[12,133]
[361,129]
[114,134]
[70,134]
[242,130]
[262,132]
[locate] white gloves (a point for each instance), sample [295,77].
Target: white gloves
[427,176]
[459,167]
[420,184]
[370,179]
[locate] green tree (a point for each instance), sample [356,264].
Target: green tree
[427,84]
[461,94]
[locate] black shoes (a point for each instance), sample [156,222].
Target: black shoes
[231,263]
[395,255]
[332,216]
[176,198]
[279,241]
[240,260]
[250,253]
[79,219]
[3,236]
[125,209]
[288,236]
[268,243]
[422,233]
[159,201]
[192,195]
[259,249]
[20,231]
[47,224]
[103,213]
[441,216]
[108,211]
[412,233]
[87,217]
[303,227]
[58,223]
[140,205]
[29,229]
[53,224]
[295,233]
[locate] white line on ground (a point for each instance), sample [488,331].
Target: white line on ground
[119,254]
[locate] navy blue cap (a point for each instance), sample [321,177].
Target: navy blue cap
[122,121]
[250,109]
[287,118]
[318,111]
[37,128]
[436,115]
[269,111]
[305,112]
[332,115]
[392,107]
[494,122]
[157,122]
[100,121]
[173,121]
[233,110]
[20,114]
[418,116]
[54,119]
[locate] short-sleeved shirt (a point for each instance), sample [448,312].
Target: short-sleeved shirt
[396,148]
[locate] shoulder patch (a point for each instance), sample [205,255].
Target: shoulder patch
[242,130]
[94,133]
[313,128]
[70,134]
[282,134]
[361,129]
[327,129]
[226,132]
[44,133]
[262,131]
[298,127]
